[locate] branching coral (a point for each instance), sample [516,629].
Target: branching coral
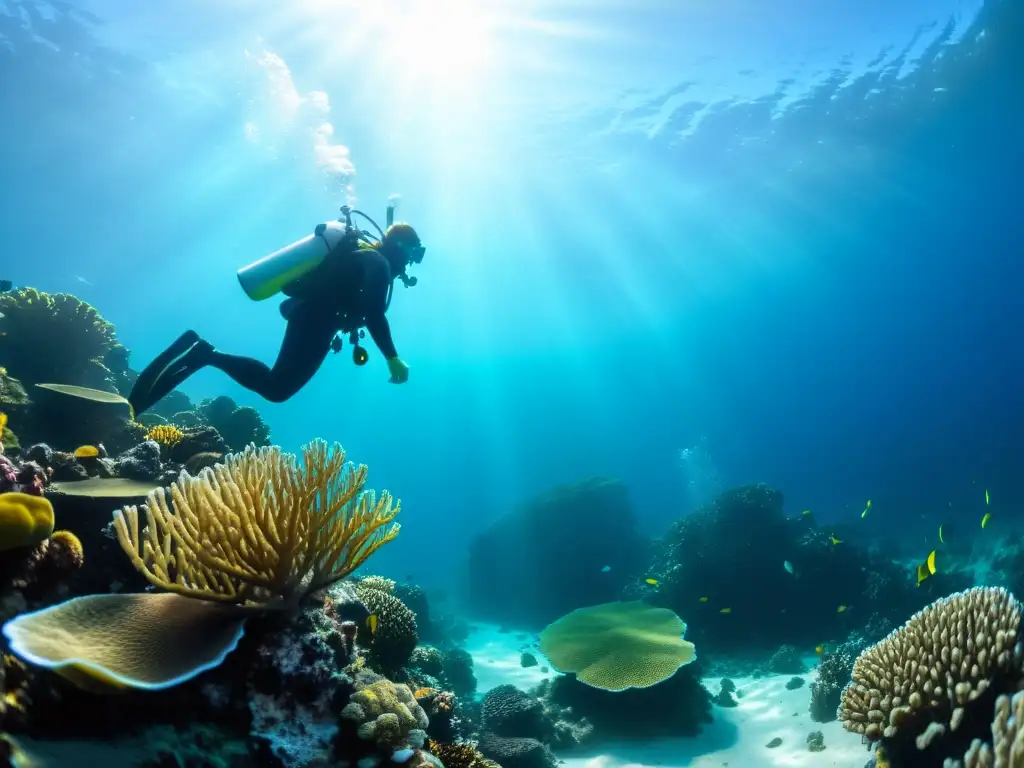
[1007,747]
[260,528]
[53,338]
[944,657]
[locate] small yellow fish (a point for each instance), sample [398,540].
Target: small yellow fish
[703,599]
[86,452]
[652,582]
[834,539]
[985,519]
[806,512]
[927,568]
[941,540]
[840,609]
[986,497]
[726,610]
[819,649]
[371,623]
[3,422]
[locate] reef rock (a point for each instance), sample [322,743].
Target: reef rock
[575,546]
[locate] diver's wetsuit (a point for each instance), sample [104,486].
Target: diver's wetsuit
[348,290]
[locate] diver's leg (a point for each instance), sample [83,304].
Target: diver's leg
[140,397]
[307,340]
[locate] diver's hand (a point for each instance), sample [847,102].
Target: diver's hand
[399,370]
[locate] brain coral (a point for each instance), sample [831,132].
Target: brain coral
[507,711]
[945,656]
[386,713]
[396,634]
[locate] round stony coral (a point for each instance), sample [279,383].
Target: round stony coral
[386,713]
[66,550]
[945,656]
[507,711]
[396,634]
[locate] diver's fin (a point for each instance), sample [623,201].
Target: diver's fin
[140,399]
[171,377]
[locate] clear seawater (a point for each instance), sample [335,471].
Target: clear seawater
[786,236]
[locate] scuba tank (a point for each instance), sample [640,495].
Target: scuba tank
[265,278]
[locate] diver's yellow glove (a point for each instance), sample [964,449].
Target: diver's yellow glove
[399,370]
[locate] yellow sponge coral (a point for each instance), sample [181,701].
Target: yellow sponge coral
[25,520]
[615,646]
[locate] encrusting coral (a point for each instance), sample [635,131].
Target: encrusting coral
[615,646]
[944,657]
[259,532]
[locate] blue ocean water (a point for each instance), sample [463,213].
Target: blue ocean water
[788,236]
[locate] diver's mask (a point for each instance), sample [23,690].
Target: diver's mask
[414,252]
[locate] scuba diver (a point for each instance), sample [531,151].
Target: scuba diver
[339,279]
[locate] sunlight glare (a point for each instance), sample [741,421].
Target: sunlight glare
[447,42]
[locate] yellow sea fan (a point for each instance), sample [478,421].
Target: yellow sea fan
[261,529]
[165,434]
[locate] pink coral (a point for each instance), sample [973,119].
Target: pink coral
[28,477]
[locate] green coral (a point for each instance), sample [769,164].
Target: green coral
[53,338]
[396,635]
[11,390]
[386,713]
[615,646]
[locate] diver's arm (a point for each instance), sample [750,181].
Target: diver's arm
[376,280]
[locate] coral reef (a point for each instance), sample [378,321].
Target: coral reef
[458,671]
[53,338]
[575,546]
[679,706]
[707,562]
[214,579]
[239,426]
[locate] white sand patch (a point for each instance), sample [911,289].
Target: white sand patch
[736,739]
